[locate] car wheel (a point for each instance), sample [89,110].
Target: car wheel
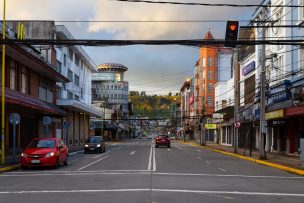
[168,146]
[24,167]
[156,146]
[85,151]
[104,150]
[57,164]
[65,162]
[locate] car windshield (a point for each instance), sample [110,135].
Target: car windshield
[93,140]
[163,136]
[42,144]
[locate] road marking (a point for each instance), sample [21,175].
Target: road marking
[199,150]
[154,161]
[169,149]
[101,155]
[178,147]
[199,157]
[156,190]
[132,152]
[93,163]
[150,158]
[221,169]
[208,162]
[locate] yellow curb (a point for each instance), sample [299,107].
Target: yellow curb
[10,168]
[262,162]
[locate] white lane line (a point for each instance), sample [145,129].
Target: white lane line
[169,149]
[221,169]
[93,163]
[199,150]
[150,158]
[132,152]
[101,155]
[208,162]
[156,190]
[178,147]
[199,157]
[154,161]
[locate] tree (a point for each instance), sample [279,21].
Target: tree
[143,93]
[170,94]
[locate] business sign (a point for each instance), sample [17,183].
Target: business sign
[210,126]
[248,69]
[274,114]
[218,116]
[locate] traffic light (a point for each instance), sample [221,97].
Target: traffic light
[232,30]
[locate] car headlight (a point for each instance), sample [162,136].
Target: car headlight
[50,154]
[98,145]
[23,155]
[86,145]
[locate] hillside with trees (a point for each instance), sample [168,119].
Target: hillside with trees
[153,106]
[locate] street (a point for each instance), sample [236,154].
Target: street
[136,171]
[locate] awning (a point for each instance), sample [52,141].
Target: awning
[295,111]
[17,98]
[78,106]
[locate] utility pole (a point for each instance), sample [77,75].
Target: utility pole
[262,93]
[236,98]
[3,87]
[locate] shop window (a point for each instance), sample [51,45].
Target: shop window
[13,75]
[24,80]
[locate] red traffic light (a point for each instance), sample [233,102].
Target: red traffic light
[232,31]
[233,27]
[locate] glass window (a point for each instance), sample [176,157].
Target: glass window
[209,61]
[77,60]
[13,75]
[24,80]
[49,96]
[76,80]
[70,95]
[209,74]
[278,17]
[42,144]
[209,101]
[70,55]
[70,75]
[64,60]
[42,93]
[209,87]
[204,62]
[58,66]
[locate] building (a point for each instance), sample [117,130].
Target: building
[185,130]
[111,95]
[30,91]
[74,63]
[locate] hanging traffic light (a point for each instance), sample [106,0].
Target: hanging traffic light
[232,30]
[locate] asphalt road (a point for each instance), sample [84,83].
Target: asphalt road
[135,171]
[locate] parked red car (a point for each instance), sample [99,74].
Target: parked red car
[44,152]
[162,140]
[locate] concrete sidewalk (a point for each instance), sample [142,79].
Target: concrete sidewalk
[288,163]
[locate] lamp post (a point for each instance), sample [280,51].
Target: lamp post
[3,87]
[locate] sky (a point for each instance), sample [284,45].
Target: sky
[153,69]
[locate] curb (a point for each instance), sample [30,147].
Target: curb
[262,162]
[10,168]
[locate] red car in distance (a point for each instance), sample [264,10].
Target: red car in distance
[44,152]
[162,140]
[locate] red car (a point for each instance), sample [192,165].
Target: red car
[162,140]
[44,152]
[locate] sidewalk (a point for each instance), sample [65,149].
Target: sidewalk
[283,162]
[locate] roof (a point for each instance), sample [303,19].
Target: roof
[112,67]
[209,36]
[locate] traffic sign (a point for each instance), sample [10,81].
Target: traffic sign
[14,118]
[46,120]
[237,124]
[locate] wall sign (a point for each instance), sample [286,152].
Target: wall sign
[249,68]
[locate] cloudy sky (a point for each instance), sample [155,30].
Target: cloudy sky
[154,69]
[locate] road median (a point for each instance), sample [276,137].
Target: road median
[259,161]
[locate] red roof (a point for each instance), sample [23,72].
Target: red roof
[208,35]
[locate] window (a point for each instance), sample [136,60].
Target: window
[209,101]
[209,61]
[301,10]
[77,60]
[70,55]
[209,87]
[59,92]
[58,66]
[82,93]
[204,62]
[13,75]
[250,90]
[209,74]
[70,95]
[279,65]
[42,93]
[64,60]
[76,80]
[24,80]
[278,17]
[49,96]
[76,97]
[70,75]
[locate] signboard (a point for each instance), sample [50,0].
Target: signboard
[237,124]
[210,126]
[14,118]
[248,68]
[274,114]
[218,116]
[46,120]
